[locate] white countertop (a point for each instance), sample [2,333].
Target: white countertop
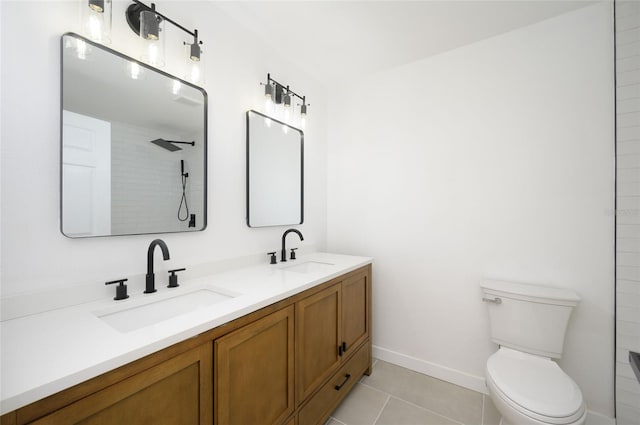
[42,354]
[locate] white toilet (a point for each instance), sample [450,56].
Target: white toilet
[528,322]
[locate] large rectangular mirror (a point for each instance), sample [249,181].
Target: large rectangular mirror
[275,172]
[133,146]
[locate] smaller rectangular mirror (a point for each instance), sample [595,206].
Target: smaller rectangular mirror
[275,172]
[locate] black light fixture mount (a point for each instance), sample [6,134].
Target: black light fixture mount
[133,19]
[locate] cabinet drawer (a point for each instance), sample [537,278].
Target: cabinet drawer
[330,394]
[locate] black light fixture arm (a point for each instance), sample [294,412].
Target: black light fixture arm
[139,6]
[288,90]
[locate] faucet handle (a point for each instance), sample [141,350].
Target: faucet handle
[273,257]
[293,254]
[121,289]
[173,279]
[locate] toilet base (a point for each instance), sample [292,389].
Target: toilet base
[581,421]
[508,416]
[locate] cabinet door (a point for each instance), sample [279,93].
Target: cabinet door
[318,336]
[177,391]
[355,310]
[253,372]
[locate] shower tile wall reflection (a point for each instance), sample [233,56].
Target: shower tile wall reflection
[145,174]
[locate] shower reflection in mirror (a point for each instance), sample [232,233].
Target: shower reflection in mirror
[133,150]
[183,208]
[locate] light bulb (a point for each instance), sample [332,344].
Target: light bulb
[96,20]
[153,53]
[268,98]
[95,28]
[287,112]
[151,27]
[303,121]
[195,72]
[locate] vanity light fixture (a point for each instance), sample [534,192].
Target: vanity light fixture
[96,20]
[148,23]
[195,64]
[277,93]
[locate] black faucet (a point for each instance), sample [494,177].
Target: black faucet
[283,257]
[151,277]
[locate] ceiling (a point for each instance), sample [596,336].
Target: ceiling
[335,41]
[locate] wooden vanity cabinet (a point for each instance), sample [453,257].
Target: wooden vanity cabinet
[254,365]
[253,370]
[177,391]
[289,363]
[331,326]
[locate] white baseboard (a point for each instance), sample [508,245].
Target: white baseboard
[595,418]
[472,382]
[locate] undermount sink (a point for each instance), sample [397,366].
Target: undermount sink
[127,319]
[308,267]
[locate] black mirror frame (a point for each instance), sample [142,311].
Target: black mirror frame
[149,67]
[301,169]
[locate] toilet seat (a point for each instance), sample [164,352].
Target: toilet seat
[534,386]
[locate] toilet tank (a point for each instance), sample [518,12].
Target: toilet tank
[527,317]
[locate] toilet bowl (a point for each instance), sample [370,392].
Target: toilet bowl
[528,322]
[532,390]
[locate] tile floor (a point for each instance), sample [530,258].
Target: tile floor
[393,395]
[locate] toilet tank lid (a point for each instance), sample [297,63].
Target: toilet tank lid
[530,290]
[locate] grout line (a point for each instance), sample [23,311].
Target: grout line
[428,410]
[374,388]
[334,419]
[381,410]
[482,417]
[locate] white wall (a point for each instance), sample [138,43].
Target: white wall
[35,255]
[628,209]
[494,160]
